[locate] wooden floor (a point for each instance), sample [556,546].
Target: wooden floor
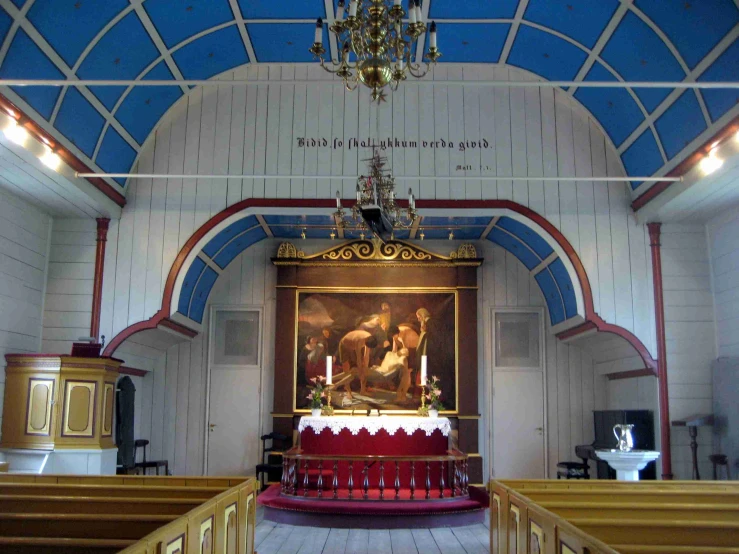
[277,538]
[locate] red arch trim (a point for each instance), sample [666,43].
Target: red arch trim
[593,320]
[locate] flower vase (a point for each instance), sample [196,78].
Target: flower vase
[433,413]
[315,412]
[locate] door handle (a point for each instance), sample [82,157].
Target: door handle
[211,426]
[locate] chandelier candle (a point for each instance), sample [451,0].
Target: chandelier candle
[382,43]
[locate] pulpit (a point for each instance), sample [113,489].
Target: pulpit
[58,414]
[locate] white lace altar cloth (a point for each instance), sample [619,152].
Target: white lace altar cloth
[391,424]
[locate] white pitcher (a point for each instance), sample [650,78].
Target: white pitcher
[622,431]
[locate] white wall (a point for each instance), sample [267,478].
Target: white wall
[723,237]
[24,247]
[690,334]
[173,394]
[254,130]
[68,306]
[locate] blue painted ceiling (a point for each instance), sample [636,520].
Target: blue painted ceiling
[559,40]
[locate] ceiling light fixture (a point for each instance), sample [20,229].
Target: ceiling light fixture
[16,133]
[711,163]
[381,46]
[376,208]
[51,160]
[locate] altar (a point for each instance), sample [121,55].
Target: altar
[378,435]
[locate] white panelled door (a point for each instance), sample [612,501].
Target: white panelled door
[518,425]
[234,401]
[233,426]
[519,401]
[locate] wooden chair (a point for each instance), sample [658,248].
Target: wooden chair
[144,464]
[273,467]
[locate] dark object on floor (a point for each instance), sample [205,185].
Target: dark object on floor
[144,464]
[574,470]
[272,469]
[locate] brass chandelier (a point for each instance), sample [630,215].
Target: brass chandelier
[376,208]
[381,45]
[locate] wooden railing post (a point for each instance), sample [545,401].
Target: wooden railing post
[455,478]
[306,482]
[320,479]
[351,479]
[428,480]
[335,483]
[442,484]
[413,480]
[365,483]
[397,480]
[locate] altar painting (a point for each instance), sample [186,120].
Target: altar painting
[376,340]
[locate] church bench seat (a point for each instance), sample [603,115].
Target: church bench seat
[57,545]
[666,496]
[645,510]
[673,549]
[78,526]
[96,505]
[42,489]
[663,532]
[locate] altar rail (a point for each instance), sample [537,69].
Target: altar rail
[332,477]
[600,517]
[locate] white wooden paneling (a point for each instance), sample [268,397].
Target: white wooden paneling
[24,252]
[68,305]
[724,246]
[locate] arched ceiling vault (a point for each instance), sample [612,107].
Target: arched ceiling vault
[580,40]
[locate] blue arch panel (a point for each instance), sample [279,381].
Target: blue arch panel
[515,247]
[615,108]
[557,267]
[115,154]
[472,9]
[211,54]
[478,43]
[238,245]
[70,26]
[583,20]
[725,68]
[225,236]
[5,23]
[680,124]
[200,296]
[177,20]
[527,236]
[75,110]
[693,27]
[642,157]
[26,60]
[552,296]
[546,54]
[188,285]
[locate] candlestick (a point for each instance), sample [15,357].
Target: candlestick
[432,42]
[319,31]
[424,361]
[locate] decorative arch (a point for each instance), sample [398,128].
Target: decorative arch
[540,246]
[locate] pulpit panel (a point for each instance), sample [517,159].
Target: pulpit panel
[108,400]
[79,408]
[40,404]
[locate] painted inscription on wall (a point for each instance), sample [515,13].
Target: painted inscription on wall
[390,143]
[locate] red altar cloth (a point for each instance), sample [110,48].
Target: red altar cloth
[375,436]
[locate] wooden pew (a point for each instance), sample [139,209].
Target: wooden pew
[635,518]
[43,545]
[39,489]
[96,505]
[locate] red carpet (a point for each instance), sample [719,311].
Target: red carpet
[345,513]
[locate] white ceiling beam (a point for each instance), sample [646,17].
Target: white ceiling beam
[242,31]
[513,31]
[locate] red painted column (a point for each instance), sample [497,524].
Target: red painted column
[97,287]
[659,318]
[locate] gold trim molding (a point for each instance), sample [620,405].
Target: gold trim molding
[374,253]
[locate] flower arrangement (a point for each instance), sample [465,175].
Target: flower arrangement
[434,395]
[317,393]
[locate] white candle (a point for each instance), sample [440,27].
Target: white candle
[419,15]
[412,12]
[432,43]
[338,200]
[329,370]
[340,11]
[353,8]
[319,31]
[424,360]
[397,2]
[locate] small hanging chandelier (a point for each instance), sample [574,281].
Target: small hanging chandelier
[376,208]
[382,46]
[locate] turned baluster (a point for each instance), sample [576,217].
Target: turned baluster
[397,480]
[382,480]
[320,478]
[428,480]
[335,483]
[306,482]
[466,478]
[455,478]
[442,483]
[365,484]
[351,479]
[283,480]
[294,468]
[413,480]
